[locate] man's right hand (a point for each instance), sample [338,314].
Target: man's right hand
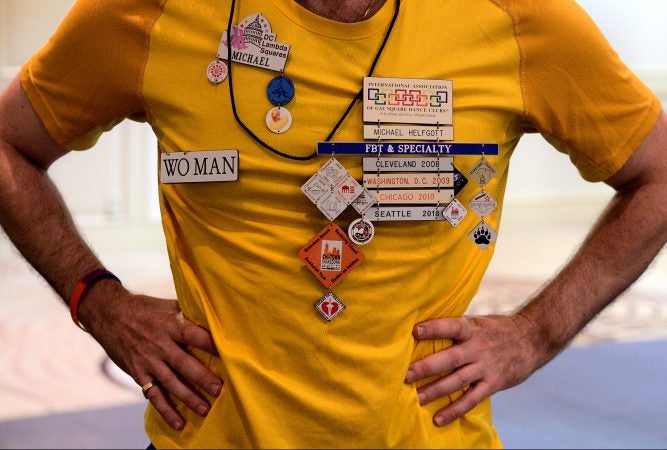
[149,339]
[145,336]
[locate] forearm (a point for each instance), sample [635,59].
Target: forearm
[34,216]
[627,237]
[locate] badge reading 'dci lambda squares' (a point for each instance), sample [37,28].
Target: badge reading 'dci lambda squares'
[331,255]
[253,43]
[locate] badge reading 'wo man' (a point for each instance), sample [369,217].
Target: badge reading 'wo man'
[199,167]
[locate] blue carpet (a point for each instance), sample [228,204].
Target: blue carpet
[602,396]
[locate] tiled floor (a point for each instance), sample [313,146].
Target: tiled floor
[48,366]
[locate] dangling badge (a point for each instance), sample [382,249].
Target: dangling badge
[482,172]
[331,255]
[483,235]
[216,71]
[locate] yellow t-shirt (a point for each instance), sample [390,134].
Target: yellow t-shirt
[291,378]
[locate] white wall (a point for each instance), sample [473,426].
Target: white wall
[111,189]
[543,185]
[116,203]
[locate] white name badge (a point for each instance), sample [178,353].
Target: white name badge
[407,100]
[416,196]
[408,132]
[388,164]
[199,166]
[253,43]
[405,213]
[408,180]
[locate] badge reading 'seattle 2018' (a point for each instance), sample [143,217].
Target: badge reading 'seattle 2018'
[253,43]
[407,100]
[331,255]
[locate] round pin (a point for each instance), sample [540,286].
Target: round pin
[278,119]
[361,231]
[280,90]
[216,72]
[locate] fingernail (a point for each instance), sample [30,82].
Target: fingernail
[214,390]
[422,398]
[439,421]
[410,377]
[202,410]
[419,330]
[177,425]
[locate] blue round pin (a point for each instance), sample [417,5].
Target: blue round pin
[280,90]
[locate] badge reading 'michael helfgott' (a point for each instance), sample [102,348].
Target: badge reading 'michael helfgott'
[253,43]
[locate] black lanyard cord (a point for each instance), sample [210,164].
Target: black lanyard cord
[342,118]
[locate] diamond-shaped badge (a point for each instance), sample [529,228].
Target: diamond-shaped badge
[364,201]
[459,181]
[329,306]
[331,205]
[333,172]
[315,188]
[454,212]
[482,172]
[331,255]
[348,189]
[483,204]
[483,235]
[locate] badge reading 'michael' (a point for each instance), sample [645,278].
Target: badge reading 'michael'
[331,255]
[253,43]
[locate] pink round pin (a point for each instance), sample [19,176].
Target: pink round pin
[216,72]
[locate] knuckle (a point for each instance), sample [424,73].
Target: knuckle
[456,357]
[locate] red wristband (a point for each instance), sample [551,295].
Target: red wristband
[80,289]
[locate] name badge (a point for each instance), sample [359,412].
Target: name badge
[253,43]
[407,100]
[199,166]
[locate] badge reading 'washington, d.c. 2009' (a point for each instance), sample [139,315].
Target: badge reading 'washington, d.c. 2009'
[253,43]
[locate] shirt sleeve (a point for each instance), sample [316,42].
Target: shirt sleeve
[577,91]
[88,76]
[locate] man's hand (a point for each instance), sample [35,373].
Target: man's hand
[488,354]
[149,339]
[492,353]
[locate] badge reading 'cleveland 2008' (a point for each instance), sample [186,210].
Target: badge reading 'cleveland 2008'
[253,43]
[408,101]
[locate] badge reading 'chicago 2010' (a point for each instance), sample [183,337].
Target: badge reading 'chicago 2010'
[253,43]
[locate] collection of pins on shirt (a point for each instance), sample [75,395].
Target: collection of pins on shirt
[401,181]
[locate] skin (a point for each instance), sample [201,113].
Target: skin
[493,353]
[146,336]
